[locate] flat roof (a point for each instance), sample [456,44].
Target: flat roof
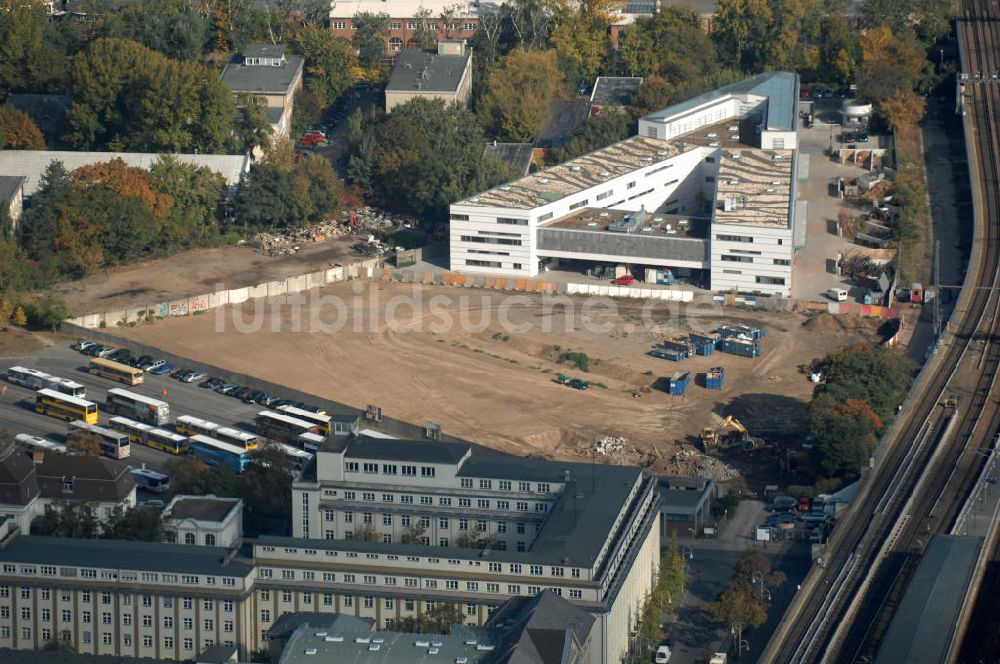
[780,87]
[576,175]
[426,71]
[262,79]
[657,224]
[925,620]
[201,508]
[758,183]
[565,117]
[32,163]
[391,449]
[615,89]
[122,554]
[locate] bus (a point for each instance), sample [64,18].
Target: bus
[167,441]
[30,378]
[136,431]
[216,453]
[310,442]
[192,426]
[282,428]
[247,441]
[122,373]
[65,407]
[37,380]
[320,420]
[39,443]
[150,480]
[114,444]
[299,458]
[145,409]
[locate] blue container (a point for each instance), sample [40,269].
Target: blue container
[715,378]
[679,382]
[704,348]
[678,343]
[666,354]
[705,337]
[740,347]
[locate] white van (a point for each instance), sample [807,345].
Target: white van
[837,294]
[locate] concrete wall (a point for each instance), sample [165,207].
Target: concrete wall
[197,304]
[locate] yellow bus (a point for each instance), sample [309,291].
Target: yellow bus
[65,407]
[320,420]
[123,373]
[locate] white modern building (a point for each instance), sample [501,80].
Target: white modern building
[707,187]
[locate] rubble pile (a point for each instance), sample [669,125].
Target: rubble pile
[612,445]
[291,240]
[690,463]
[359,222]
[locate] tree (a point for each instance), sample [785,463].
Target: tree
[20,318]
[366,533]
[739,604]
[329,61]
[425,34]
[741,30]
[581,42]
[69,519]
[609,126]
[29,59]
[126,96]
[197,194]
[415,534]
[669,44]
[370,33]
[15,273]
[18,131]
[654,94]
[890,62]
[273,197]
[903,109]
[879,376]
[86,443]
[521,88]
[252,130]
[139,524]
[175,28]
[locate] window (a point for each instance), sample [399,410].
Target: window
[491,240]
[483,504]
[737,259]
[536,570]
[428,471]
[350,467]
[463,524]
[557,571]
[534,590]
[396,25]
[657,170]
[366,518]
[209,624]
[339,25]
[369,602]
[442,541]
[451,585]
[526,486]
[579,204]
[501,527]
[388,469]
[395,43]
[503,505]
[286,596]
[105,618]
[47,615]
[734,238]
[521,547]
[513,590]
[544,217]
[782,261]
[522,506]
[370,468]
[188,644]
[147,621]
[510,221]
[408,470]
[773,281]
[188,623]
[348,517]
[443,523]
[168,622]
[68,616]
[465,502]
[265,616]
[575,572]
[84,617]
[189,538]
[209,539]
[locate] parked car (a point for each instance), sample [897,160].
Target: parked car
[254,396]
[192,377]
[662,655]
[164,368]
[268,400]
[123,355]
[107,351]
[626,280]
[805,504]
[577,384]
[180,373]
[862,138]
[152,365]
[226,388]
[240,392]
[212,383]
[82,345]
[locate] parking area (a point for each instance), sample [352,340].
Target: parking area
[812,275]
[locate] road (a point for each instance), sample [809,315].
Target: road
[17,406]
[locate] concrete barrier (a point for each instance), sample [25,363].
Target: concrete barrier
[275,288]
[178,307]
[200,303]
[335,274]
[296,284]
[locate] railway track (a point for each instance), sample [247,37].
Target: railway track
[926,473]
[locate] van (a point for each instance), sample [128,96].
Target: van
[837,294]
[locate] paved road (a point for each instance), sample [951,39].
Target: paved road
[17,407]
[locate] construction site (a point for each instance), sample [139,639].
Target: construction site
[501,369]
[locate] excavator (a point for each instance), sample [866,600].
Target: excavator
[730,431]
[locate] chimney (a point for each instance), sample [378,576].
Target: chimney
[37,456]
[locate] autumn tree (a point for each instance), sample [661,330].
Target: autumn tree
[890,63]
[741,30]
[609,126]
[521,88]
[580,40]
[669,45]
[329,61]
[18,131]
[654,94]
[252,129]
[903,108]
[366,533]
[86,443]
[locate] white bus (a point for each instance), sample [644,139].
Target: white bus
[193,426]
[136,431]
[151,481]
[299,458]
[39,380]
[114,444]
[282,428]
[247,441]
[39,443]
[146,409]
[320,420]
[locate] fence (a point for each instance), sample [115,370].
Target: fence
[196,304]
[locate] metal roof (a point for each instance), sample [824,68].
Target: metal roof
[926,617]
[122,554]
[517,155]
[565,117]
[780,87]
[200,508]
[264,51]
[424,71]
[615,90]
[32,163]
[427,451]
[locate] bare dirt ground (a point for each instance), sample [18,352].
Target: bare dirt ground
[482,364]
[15,341]
[195,272]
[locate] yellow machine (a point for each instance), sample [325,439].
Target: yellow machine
[730,431]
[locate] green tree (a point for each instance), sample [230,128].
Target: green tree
[29,60]
[197,194]
[15,273]
[370,33]
[609,126]
[425,34]
[139,524]
[175,28]
[18,131]
[877,375]
[69,519]
[654,94]
[670,44]
[252,130]
[521,88]
[126,96]
[329,61]
[580,39]
[742,29]
[47,311]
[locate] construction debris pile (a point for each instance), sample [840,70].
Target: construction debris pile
[360,222]
[690,463]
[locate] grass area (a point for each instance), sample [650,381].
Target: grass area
[915,231]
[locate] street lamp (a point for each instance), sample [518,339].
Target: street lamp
[689,552]
[759,578]
[737,631]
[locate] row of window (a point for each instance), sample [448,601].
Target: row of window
[86,638]
[370,468]
[409,582]
[106,599]
[442,501]
[112,575]
[491,240]
[749,259]
[413,25]
[107,618]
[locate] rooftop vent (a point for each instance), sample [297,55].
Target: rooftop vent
[778,157]
[505,188]
[592,224]
[712,134]
[543,180]
[604,215]
[320,634]
[713,144]
[471,642]
[769,191]
[375,647]
[310,651]
[422,644]
[378,639]
[474,199]
[735,155]
[661,153]
[671,231]
[334,639]
[775,183]
[647,159]
[484,647]
[436,644]
[733,181]
[734,137]
[647,229]
[575,169]
[605,174]
[362,639]
[733,128]
[462,659]
[433,651]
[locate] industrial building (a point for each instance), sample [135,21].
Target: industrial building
[706,189]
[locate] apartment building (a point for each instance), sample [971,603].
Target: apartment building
[445,74]
[446,18]
[707,188]
[386,529]
[267,73]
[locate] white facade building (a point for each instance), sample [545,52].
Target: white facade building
[204,521]
[673,196]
